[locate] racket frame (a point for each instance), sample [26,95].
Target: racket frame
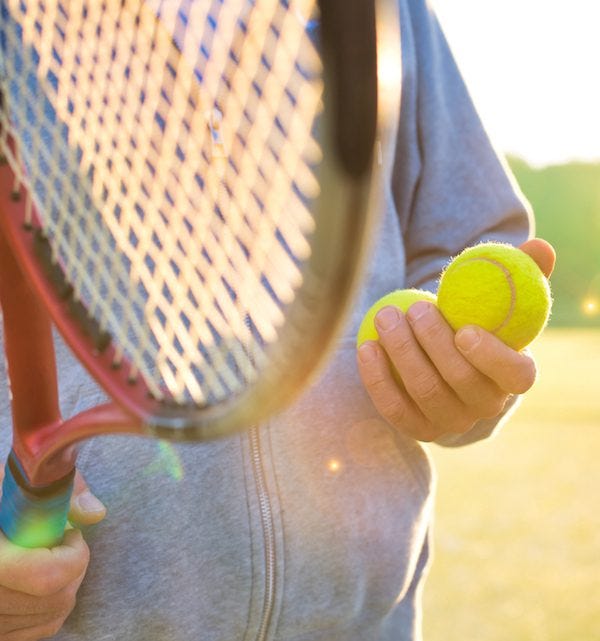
[46,455]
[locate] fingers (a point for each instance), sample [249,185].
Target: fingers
[423,382]
[86,509]
[44,631]
[18,604]
[43,572]
[423,405]
[427,381]
[514,372]
[38,587]
[21,611]
[542,252]
[388,394]
[479,393]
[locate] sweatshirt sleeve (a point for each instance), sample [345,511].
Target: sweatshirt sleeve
[451,188]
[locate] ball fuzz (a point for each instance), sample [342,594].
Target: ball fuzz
[499,288]
[401,298]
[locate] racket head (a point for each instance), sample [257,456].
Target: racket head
[267,256]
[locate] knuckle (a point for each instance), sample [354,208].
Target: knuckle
[460,425]
[84,559]
[526,378]
[431,330]
[411,423]
[488,405]
[426,387]
[399,345]
[372,375]
[494,407]
[55,580]
[378,389]
[79,561]
[394,411]
[52,628]
[47,583]
[426,431]
[64,602]
[464,378]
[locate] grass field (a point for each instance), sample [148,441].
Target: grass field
[517,536]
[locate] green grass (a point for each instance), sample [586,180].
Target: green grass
[517,535]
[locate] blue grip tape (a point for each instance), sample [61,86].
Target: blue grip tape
[32,517]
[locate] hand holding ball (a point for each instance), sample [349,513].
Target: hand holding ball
[495,286]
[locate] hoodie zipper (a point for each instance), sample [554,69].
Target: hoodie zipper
[266,517]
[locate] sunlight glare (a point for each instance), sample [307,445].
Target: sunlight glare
[334,466]
[590,306]
[530,67]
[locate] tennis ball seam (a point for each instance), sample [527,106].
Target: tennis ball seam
[511,285]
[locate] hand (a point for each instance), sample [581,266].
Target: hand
[38,587]
[427,381]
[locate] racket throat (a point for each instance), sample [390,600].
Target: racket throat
[48,489]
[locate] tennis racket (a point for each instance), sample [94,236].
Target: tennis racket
[185,194]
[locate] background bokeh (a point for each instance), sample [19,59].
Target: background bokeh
[517,536]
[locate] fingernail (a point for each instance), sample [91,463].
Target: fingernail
[418,310]
[366,352]
[467,338]
[387,318]
[87,502]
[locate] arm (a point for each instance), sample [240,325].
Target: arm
[451,190]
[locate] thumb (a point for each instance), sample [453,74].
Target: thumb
[86,509]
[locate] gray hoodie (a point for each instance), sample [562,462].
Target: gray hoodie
[313,527]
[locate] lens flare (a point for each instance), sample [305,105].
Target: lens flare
[167,462]
[334,465]
[590,306]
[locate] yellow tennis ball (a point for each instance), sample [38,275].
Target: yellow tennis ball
[499,288]
[401,298]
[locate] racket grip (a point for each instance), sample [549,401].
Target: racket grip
[33,517]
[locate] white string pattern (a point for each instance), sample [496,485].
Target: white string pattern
[169,149]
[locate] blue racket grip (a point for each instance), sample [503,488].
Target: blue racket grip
[33,517]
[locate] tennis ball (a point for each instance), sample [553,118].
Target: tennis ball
[401,298]
[499,288]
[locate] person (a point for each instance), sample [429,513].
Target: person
[316,525]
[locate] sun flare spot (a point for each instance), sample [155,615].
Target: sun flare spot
[590,306]
[334,465]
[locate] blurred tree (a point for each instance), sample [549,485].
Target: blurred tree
[566,202]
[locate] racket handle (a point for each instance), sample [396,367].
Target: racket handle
[33,517]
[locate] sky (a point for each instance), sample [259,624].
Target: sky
[533,69]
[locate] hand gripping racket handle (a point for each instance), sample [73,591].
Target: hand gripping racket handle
[35,498]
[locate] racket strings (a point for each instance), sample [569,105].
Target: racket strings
[170,151]
[177,351]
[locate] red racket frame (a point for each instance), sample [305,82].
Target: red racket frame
[42,441]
